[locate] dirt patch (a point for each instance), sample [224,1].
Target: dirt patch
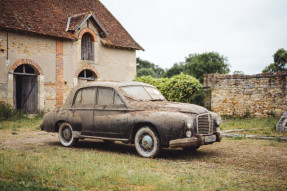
[22,140]
[255,154]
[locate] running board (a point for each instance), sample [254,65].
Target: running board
[77,134]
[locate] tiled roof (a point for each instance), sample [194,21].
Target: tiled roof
[50,17]
[75,20]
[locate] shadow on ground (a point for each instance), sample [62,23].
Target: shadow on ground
[129,149]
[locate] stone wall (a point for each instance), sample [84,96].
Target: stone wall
[259,95]
[35,50]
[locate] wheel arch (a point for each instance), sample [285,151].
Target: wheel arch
[57,125]
[74,120]
[143,124]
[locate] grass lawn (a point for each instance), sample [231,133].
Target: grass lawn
[253,126]
[35,160]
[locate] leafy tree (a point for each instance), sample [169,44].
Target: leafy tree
[148,65]
[146,72]
[206,63]
[176,69]
[270,68]
[280,61]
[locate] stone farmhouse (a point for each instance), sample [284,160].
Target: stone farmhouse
[49,46]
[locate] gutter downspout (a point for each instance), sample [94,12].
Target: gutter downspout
[7,50]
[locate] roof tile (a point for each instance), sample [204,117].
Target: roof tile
[50,17]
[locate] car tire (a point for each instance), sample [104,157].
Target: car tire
[147,142]
[66,135]
[191,148]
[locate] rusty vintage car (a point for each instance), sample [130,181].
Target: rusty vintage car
[131,112]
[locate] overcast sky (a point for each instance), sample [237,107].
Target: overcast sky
[248,32]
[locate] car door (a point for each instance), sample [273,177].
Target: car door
[110,114]
[83,106]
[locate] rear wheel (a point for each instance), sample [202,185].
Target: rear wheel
[147,142]
[66,135]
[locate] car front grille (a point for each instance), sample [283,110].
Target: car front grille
[204,124]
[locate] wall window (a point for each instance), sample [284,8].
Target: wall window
[87,47]
[24,69]
[86,75]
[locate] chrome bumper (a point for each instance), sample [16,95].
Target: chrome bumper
[196,140]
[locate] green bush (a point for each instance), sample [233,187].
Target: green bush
[179,88]
[6,112]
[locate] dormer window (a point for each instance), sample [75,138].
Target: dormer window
[87,47]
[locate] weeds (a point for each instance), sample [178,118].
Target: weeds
[278,139]
[7,112]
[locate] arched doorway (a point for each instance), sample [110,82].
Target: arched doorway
[25,85]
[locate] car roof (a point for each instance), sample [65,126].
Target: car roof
[112,84]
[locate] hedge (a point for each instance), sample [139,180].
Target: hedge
[179,88]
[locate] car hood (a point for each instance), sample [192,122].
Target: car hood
[168,106]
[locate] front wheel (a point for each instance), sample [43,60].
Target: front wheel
[66,135]
[147,142]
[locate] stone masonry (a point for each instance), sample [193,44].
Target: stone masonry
[259,95]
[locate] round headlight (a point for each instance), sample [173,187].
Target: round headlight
[188,133]
[218,120]
[189,123]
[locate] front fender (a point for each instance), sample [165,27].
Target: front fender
[169,125]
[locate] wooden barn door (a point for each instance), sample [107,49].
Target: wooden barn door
[29,94]
[26,93]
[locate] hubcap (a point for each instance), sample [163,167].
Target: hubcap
[147,142]
[67,134]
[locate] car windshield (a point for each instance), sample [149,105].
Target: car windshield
[142,93]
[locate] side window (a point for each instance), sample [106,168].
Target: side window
[78,98]
[108,96]
[105,96]
[88,96]
[85,97]
[118,100]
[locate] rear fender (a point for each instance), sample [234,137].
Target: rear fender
[70,117]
